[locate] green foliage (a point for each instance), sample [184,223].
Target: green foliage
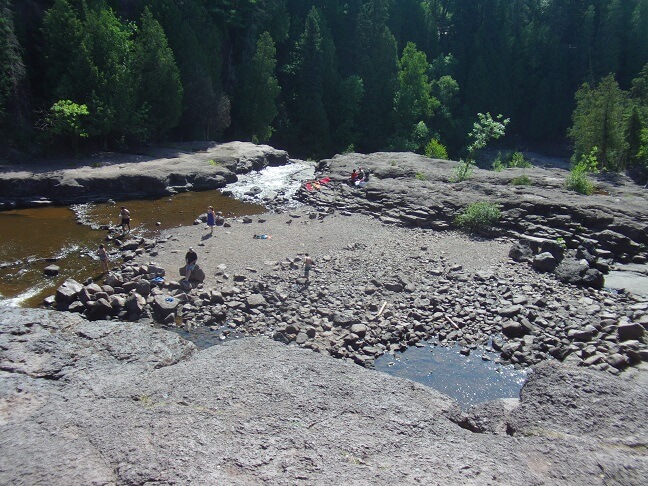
[483,131]
[436,150]
[257,106]
[419,176]
[522,180]
[478,216]
[510,160]
[577,180]
[12,68]
[518,161]
[159,90]
[561,241]
[66,119]
[599,121]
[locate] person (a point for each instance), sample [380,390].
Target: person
[190,259]
[220,221]
[308,264]
[354,177]
[125,218]
[103,258]
[211,219]
[262,237]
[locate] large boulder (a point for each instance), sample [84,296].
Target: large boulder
[163,305]
[630,330]
[197,274]
[571,270]
[67,292]
[544,262]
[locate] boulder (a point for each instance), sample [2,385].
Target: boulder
[359,329]
[197,274]
[514,329]
[593,278]
[256,300]
[520,252]
[571,270]
[67,292]
[544,262]
[100,309]
[163,305]
[630,330]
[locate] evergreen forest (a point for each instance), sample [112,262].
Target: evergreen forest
[319,77]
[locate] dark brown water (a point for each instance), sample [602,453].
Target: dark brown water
[31,239]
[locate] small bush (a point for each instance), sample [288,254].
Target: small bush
[215,163]
[522,180]
[517,161]
[436,150]
[478,216]
[420,176]
[498,165]
[578,181]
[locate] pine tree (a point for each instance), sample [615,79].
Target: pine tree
[257,107]
[159,91]
[377,66]
[12,69]
[599,122]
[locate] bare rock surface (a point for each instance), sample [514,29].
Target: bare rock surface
[155,172]
[118,403]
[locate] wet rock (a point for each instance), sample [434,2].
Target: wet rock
[52,270]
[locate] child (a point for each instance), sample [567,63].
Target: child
[103,258]
[308,264]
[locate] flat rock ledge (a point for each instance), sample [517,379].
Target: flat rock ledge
[197,166]
[124,403]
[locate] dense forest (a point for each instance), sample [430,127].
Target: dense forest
[319,77]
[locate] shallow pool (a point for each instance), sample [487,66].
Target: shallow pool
[468,379]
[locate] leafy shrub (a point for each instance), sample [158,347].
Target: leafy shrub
[498,164]
[517,161]
[215,163]
[578,181]
[478,216]
[436,150]
[522,180]
[420,176]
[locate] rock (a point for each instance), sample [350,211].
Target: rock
[52,270]
[359,329]
[163,305]
[571,270]
[114,280]
[593,278]
[256,300]
[100,309]
[197,274]
[630,330]
[135,303]
[544,262]
[520,252]
[490,417]
[513,329]
[509,311]
[617,361]
[143,287]
[130,245]
[67,292]
[584,335]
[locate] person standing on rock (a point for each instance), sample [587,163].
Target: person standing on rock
[190,260]
[124,214]
[211,219]
[103,258]
[308,264]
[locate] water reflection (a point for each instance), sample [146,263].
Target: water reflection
[467,379]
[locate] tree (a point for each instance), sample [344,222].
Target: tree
[633,136]
[12,69]
[484,130]
[65,119]
[377,66]
[599,121]
[257,101]
[159,91]
[413,101]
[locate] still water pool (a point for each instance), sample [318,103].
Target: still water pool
[468,379]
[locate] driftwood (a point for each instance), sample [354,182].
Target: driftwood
[451,321]
[382,308]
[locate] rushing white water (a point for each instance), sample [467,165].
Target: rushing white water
[19,299]
[276,185]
